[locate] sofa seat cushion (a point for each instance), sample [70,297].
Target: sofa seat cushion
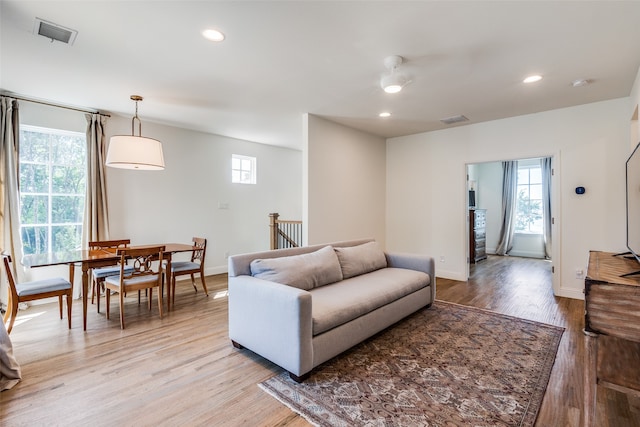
[305,271]
[339,303]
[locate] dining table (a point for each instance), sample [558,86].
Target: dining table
[88,259]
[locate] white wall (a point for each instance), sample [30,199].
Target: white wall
[181,202]
[345,174]
[633,112]
[184,200]
[426,202]
[50,117]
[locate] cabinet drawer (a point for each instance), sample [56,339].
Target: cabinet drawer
[479,215]
[477,235]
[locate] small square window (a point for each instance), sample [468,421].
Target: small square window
[243,169]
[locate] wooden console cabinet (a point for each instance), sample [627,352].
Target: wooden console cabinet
[477,235]
[612,317]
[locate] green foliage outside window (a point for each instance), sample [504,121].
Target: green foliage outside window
[52,189]
[528,212]
[529,218]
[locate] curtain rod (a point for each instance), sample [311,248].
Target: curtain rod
[51,104]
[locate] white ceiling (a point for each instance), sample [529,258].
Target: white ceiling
[283,59]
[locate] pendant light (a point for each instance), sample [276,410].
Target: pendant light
[135,152]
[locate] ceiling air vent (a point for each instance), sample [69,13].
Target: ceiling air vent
[454,119]
[54,31]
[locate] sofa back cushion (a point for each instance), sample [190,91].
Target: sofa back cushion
[361,259]
[305,271]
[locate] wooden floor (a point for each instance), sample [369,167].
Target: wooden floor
[182,369]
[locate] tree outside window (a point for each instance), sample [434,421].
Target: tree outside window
[529,200]
[52,189]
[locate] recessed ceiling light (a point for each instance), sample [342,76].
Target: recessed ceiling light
[213,35]
[385,114]
[532,79]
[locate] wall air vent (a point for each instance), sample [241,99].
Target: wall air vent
[54,31]
[454,119]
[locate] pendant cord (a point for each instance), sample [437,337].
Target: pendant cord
[135,117]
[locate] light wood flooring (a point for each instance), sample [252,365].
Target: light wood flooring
[182,369]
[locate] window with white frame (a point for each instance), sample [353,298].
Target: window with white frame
[53,178]
[243,169]
[529,198]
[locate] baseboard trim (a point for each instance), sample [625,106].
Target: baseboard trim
[570,293]
[525,254]
[452,275]
[219,269]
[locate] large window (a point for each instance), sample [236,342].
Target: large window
[243,169]
[52,189]
[529,201]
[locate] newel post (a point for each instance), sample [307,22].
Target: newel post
[273,230]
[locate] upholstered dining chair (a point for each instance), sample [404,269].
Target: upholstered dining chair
[34,290]
[195,265]
[142,276]
[99,274]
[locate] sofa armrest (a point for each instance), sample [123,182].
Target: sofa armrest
[273,320]
[422,263]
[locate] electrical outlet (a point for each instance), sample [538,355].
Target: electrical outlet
[226,255]
[441,258]
[579,273]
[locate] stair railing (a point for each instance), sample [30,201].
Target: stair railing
[284,233]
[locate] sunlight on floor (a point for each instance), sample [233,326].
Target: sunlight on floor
[221,294]
[23,318]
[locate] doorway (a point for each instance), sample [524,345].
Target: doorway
[484,185]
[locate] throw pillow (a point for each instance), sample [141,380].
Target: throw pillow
[361,259]
[305,271]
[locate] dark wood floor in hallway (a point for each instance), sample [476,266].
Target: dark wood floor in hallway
[182,369]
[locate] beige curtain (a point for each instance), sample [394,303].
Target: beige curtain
[96,220]
[545,164]
[10,373]
[9,192]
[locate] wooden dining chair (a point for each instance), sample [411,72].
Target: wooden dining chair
[195,265]
[99,274]
[34,290]
[142,276]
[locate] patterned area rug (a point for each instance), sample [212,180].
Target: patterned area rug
[449,365]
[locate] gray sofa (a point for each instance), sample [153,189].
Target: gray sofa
[300,307]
